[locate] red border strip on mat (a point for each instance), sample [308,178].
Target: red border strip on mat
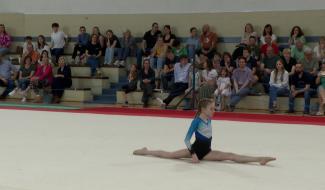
[243,117]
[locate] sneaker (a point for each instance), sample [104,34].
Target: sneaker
[162,103]
[320,113]
[116,63]
[271,110]
[122,63]
[23,100]
[291,111]
[12,93]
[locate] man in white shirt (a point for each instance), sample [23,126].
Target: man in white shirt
[58,39]
[181,75]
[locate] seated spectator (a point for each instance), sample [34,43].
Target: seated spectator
[267,66]
[241,77]
[208,80]
[39,61]
[296,33]
[58,40]
[181,74]
[5,40]
[28,40]
[279,85]
[147,79]
[93,52]
[319,50]
[128,45]
[157,58]
[251,64]
[8,74]
[26,72]
[42,45]
[42,78]
[268,31]
[227,62]
[321,89]
[248,32]
[112,47]
[268,42]
[148,42]
[81,45]
[297,51]
[216,62]
[168,37]
[132,84]
[223,90]
[101,39]
[254,48]
[208,42]
[167,75]
[310,63]
[30,52]
[289,62]
[178,49]
[192,43]
[300,84]
[61,81]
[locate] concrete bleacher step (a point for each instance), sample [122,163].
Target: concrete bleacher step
[70,95]
[96,84]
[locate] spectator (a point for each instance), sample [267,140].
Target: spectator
[101,39]
[300,84]
[131,86]
[5,40]
[296,33]
[241,79]
[58,40]
[288,61]
[158,57]
[42,78]
[128,45]
[30,52]
[279,85]
[254,49]
[267,66]
[168,37]
[93,52]
[147,79]
[248,32]
[227,62]
[208,42]
[208,81]
[268,42]
[223,90]
[26,72]
[268,31]
[148,42]
[321,89]
[28,40]
[8,74]
[43,54]
[167,75]
[310,63]
[81,45]
[192,43]
[112,47]
[319,50]
[216,62]
[297,51]
[181,74]
[61,81]
[251,64]
[178,50]
[42,45]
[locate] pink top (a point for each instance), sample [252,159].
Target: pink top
[5,40]
[44,72]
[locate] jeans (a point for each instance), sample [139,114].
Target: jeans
[275,92]
[236,97]
[80,48]
[157,62]
[109,55]
[166,79]
[10,87]
[93,62]
[123,53]
[307,96]
[23,83]
[56,53]
[140,53]
[191,52]
[179,89]
[4,51]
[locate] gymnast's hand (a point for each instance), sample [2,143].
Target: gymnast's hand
[195,159]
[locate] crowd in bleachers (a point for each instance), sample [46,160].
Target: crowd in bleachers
[164,62]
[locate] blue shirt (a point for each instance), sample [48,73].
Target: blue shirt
[6,69]
[83,39]
[181,72]
[193,41]
[202,130]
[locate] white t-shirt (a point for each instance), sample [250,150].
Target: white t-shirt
[263,39]
[209,75]
[57,39]
[319,54]
[40,50]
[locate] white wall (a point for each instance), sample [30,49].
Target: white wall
[153,6]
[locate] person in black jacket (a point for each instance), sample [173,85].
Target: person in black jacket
[147,79]
[61,80]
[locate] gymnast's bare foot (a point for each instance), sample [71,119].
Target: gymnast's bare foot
[142,151]
[264,160]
